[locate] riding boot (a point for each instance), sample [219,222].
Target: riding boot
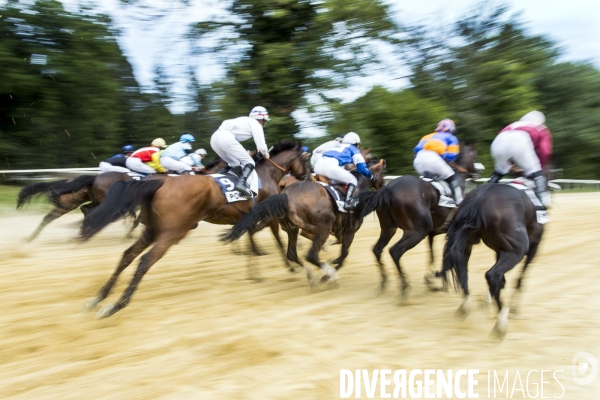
[350,202]
[495,178]
[456,190]
[241,185]
[541,187]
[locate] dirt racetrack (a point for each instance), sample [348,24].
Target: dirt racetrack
[198,328]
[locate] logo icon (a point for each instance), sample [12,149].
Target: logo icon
[585,368]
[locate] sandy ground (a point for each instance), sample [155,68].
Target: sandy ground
[198,328]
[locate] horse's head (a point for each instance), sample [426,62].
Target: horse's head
[377,168]
[286,155]
[465,162]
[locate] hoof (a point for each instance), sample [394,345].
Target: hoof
[91,303]
[465,308]
[502,323]
[404,295]
[106,311]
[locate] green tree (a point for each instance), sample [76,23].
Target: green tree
[293,51]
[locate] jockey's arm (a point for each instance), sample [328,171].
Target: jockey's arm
[155,163]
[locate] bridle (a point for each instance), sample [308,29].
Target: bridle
[304,175]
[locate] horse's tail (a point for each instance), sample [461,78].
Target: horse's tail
[121,201]
[466,222]
[370,201]
[273,207]
[53,190]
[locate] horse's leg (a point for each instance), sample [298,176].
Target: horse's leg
[313,254]
[388,230]
[136,222]
[430,242]
[128,256]
[465,307]
[409,240]
[57,212]
[515,300]
[292,252]
[496,281]
[163,243]
[253,273]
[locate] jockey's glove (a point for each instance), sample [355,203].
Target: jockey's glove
[374,178]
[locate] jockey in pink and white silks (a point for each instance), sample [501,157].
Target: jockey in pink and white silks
[526,143]
[170,157]
[226,143]
[331,165]
[435,151]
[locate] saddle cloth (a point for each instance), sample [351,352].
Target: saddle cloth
[528,187]
[335,195]
[446,199]
[228,181]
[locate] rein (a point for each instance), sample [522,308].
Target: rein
[277,166]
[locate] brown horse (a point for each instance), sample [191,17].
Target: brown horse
[308,206]
[85,192]
[173,206]
[411,204]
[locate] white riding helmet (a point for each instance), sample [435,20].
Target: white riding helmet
[351,138]
[259,113]
[534,116]
[159,142]
[201,152]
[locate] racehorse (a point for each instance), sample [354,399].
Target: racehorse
[308,206]
[173,206]
[411,204]
[505,219]
[85,192]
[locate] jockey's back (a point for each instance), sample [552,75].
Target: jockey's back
[443,143]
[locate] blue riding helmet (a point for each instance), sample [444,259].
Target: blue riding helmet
[304,149]
[186,138]
[128,148]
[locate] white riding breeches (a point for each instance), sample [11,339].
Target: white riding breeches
[224,144]
[430,162]
[514,147]
[173,165]
[137,165]
[108,167]
[330,167]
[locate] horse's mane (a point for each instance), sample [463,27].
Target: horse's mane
[278,147]
[213,163]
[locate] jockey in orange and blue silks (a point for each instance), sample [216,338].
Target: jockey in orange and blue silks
[435,151]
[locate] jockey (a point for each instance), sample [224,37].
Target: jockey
[331,165]
[147,159]
[528,144]
[435,151]
[194,159]
[226,143]
[172,155]
[116,163]
[324,147]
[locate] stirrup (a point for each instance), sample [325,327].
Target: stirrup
[243,190]
[350,204]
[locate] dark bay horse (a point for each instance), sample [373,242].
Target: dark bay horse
[308,206]
[68,194]
[410,204]
[85,192]
[173,206]
[505,219]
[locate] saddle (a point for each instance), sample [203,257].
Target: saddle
[340,187]
[528,186]
[446,199]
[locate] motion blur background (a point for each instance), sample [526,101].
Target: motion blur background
[79,79]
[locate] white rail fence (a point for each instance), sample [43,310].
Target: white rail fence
[49,174]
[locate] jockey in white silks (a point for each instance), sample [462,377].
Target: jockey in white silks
[172,155]
[318,152]
[226,143]
[435,151]
[332,164]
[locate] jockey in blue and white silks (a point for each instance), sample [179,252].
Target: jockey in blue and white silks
[435,151]
[172,155]
[331,165]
